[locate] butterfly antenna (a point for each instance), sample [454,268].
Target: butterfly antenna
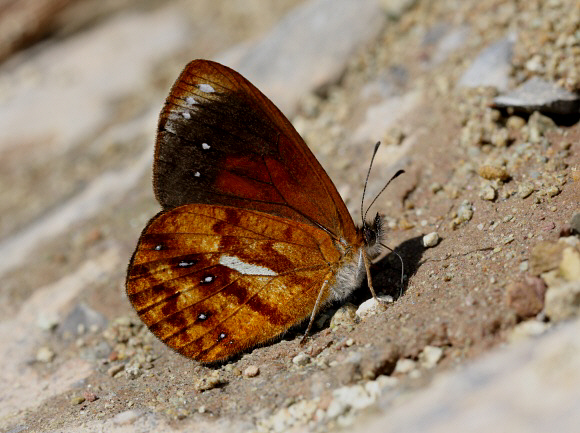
[402,268]
[397,174]
[367,181]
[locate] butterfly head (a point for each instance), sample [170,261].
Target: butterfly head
[372,234]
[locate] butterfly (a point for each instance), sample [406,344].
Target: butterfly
[253,236]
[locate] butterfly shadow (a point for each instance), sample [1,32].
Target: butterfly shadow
[386,273]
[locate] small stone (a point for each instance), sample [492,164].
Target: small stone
[301,359]
[492,172]
[47,321]
[465,211]
[251,371]
[570,264]
[354,396]
[525,189]
[371,306]
[209,382]
[386,382]
[529,328]
[526,297]
[488,193]
[114,369]
[77,399]
[127,417]
[545,256]
[575,223]
[435,187]
[537,94]
[45,354]
[500,137]
[550,191]
[405,366]
[430,356]
[515,122]
[431,239]
[538,125]
[563,301]
[90,396]
[349,342]
[345,316]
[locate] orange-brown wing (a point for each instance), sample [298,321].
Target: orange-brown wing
[221,141]
[211,281]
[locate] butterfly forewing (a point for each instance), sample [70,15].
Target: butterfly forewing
[211,281]
[221,141]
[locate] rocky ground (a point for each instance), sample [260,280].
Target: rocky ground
[476,100]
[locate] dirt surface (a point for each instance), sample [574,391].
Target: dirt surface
[494,185]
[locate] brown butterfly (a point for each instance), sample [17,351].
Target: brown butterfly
[253,237]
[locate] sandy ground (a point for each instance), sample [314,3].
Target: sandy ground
[500,188]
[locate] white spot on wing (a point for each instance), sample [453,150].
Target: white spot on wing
[190,101]
[205,146]
[197,174]
[186,115]
[206,88]
[243,267]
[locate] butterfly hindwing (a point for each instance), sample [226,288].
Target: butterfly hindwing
[211,281]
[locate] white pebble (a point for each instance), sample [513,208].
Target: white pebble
[371,306]
[431,239]
[301,359]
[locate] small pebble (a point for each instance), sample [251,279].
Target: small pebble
[127,417]
[430,356]
[209,382]
[114,369]
[525,189]
[301,359]
[372,306]
[465,211]
[431,239]
[45,354]
[492,172]
[405,366]
[251,371]
[77,399]
[575,223]
[488,193]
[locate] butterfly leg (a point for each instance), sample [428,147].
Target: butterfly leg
[315,310]
[367,263]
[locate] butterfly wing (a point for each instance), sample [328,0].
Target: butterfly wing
[211,281]
[221,141]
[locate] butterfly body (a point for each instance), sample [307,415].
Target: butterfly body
[253,237]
